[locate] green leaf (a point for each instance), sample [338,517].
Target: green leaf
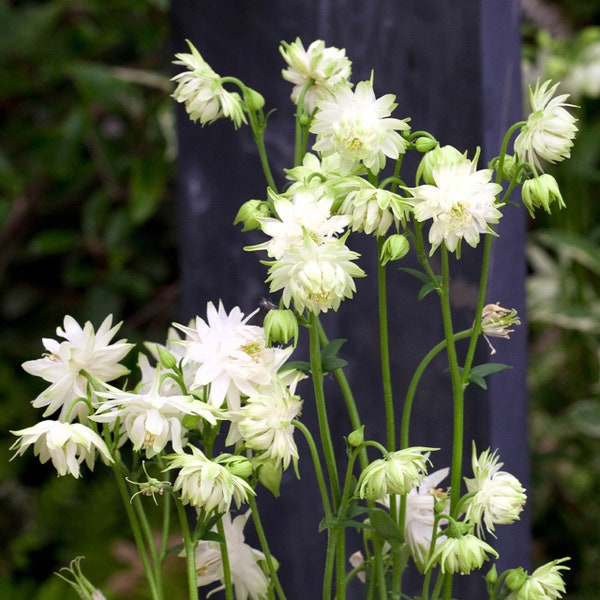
[585,415]
[478,374]
[329,524]
[420,275]
[145,188]
[429,284]
[426,289]
[572,246]
[299,365]
[53,241]
[384,525]
[329,359]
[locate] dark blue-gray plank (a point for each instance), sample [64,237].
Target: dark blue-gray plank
[454,68]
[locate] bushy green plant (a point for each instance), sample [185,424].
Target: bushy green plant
[86,227]
[564,313]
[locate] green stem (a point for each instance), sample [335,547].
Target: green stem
[340,544]
[414,382]
[349,400]
[225,560]
[137,533]
[262,538]
[258,131]
[190,551]
[147,532]
[384,351]
[457,396]
[317,465]
[329,565]
[324,430]
[476,331]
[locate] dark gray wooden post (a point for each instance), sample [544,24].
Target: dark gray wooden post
[454,67]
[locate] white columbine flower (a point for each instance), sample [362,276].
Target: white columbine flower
[315,276]
[499,496]
[67,445]
[550,129]
[460,554]
[232,356]
[302,214]
[357,126]
[207,484]
[202,92]
[418,526]
[247,577]
[83,349]
[397,474]
[322,66]
[266,423]
[150,419]
[372,210]
[545,583]
[461,204]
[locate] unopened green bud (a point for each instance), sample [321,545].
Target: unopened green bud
[304,120]
[440,504]
[425,144]
[541,191]
[269,474]
[281,325]
[395,247]
[357,437]
[509,167]
[440,155]
[492,575]
[166,359]
[253,100]
[238,465]
[250,214]
[515,579]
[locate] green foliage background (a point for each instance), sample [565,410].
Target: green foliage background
[87,227]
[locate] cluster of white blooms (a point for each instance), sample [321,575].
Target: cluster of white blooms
[72,367]
[494,497]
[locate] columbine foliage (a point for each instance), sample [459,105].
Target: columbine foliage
[223,377]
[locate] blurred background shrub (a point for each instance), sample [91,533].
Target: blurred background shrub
[562,42]
[87,227]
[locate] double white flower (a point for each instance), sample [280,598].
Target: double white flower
[202,92]
[498,497]
[316,70]
[398,473]
[151,419]
[266,423]
[207,484]
[231,356]
[550,129]
[315,276]
[67,445]
[358,127]
[64,364]
[461,204]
